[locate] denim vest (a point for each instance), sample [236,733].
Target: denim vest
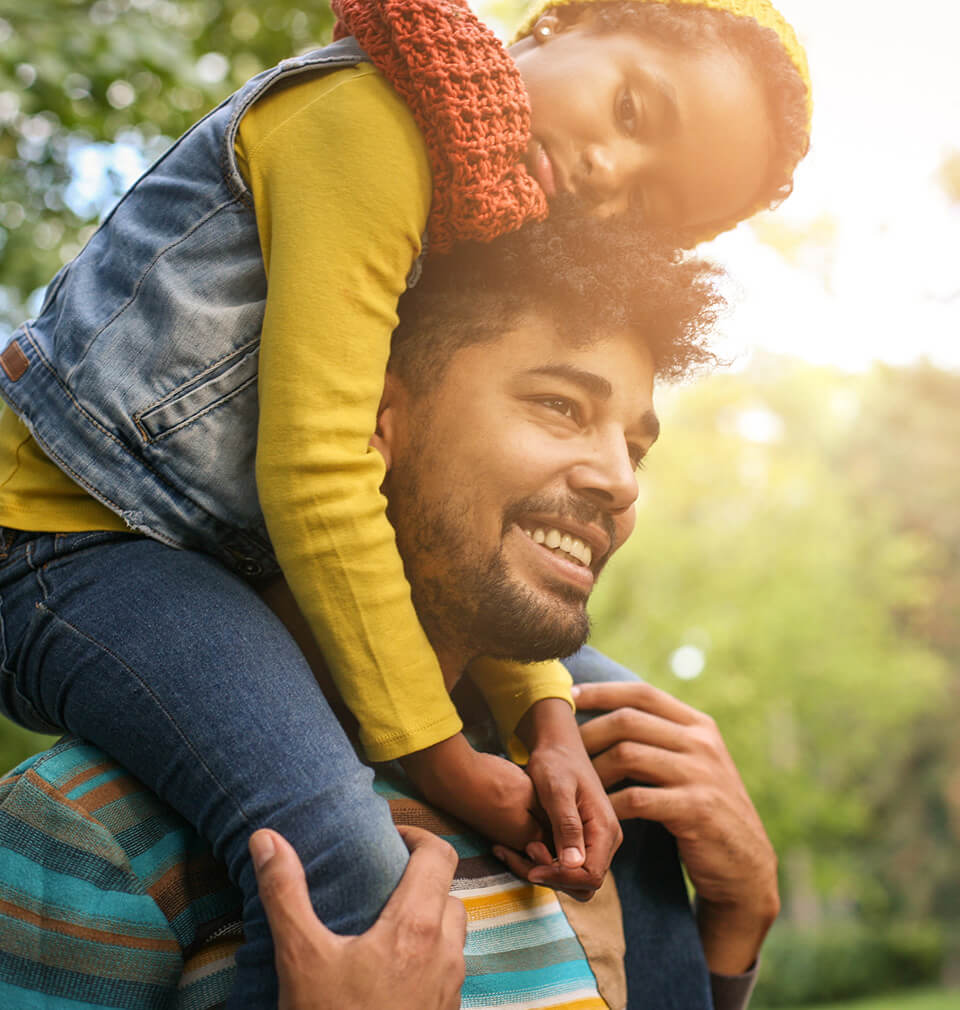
[139,375]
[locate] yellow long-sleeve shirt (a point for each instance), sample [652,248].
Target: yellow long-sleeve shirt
[341,186]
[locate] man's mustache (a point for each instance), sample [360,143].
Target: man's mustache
[572,507]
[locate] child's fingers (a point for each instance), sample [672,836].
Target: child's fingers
[561,809]
[539,853]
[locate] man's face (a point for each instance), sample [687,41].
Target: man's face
[513,480]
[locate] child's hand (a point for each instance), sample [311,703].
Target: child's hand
[489,793]
[586,832]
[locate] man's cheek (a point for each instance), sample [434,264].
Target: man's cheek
[624,525]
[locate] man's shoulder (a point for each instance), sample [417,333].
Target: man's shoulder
[100,880]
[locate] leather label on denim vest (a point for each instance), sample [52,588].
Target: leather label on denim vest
[13,361]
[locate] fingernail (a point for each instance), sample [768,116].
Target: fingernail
[499,853]
[571,857]
[262,848]
[575,690]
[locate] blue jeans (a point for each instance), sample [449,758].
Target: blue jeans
[176,668]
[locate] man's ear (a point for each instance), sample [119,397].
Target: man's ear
[391,416]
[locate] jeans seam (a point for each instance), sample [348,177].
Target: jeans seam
[37,570]
[146,687]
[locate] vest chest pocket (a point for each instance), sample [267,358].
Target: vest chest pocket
[212,389]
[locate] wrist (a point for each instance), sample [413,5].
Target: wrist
[548,722]
[732,933]
[433,769]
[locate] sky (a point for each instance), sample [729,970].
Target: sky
[886,283]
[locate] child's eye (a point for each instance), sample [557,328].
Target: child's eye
[627,113]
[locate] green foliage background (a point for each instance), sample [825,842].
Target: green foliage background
[798,532]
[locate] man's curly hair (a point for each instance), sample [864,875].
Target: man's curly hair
[700,28]
[592,278]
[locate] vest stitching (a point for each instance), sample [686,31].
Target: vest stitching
[151,440]
[196,379]
[146,271]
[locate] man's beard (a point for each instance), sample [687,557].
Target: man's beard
[471,599]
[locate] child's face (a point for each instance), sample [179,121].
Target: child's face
[619,121]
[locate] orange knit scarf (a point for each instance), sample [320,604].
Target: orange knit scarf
[468,99]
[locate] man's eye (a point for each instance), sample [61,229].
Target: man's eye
[627,113]
[561,405]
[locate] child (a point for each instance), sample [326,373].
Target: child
[205,376]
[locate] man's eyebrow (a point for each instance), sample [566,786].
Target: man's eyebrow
[598,387]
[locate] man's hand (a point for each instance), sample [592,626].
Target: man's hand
[693,788]
[410,959]
[489,793]
[586,833]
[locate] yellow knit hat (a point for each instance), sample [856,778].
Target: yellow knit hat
[762,11]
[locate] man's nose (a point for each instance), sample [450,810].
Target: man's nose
[607,475]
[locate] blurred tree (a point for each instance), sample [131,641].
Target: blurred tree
[901,458]
[758,586]
[91,92]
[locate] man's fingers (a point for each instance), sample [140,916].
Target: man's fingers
[633,694]
[283,890]
[649,803]
[629,760]
[630,723]
[423,889]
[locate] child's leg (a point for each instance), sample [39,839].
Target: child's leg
[177,669]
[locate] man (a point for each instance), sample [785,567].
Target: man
[517,407]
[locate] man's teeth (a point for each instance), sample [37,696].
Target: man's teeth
[557,540]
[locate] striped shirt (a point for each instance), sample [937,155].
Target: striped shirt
[109,899]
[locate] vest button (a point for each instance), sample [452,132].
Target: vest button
[248,566]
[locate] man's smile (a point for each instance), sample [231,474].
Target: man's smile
[550,555]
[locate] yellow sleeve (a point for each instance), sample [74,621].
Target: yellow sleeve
[341,187]
[511,688]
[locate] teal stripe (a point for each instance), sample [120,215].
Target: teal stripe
[533,957]
[81,893]
[98,958]
[14,996]
[98,780]
[152,861]
[513,987]
[17,974]
[513,935]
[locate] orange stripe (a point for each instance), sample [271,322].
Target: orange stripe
[489,906]
[109,792]
[85,776]
[84,933]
